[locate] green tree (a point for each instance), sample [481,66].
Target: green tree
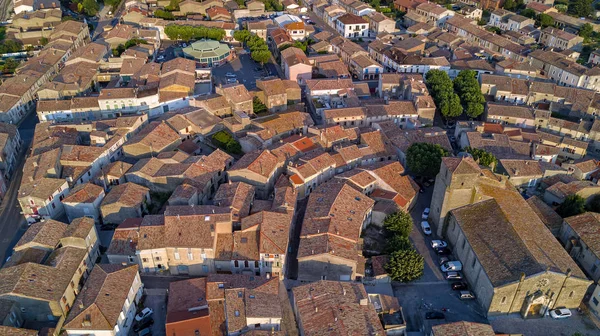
[405,265]
[425,159]
[241,35]
[485,158]
[468,90]
[172,6]
[90,7]
[594,204]
[10,46]
[118,50]
[258,106]
[9,66]
[573,205]
[400,223]
[581,8]
[510,5]
[133,42]
[545,20]
[233,147]
[43,41]
[159,13]
[397,243]
[112,3]
[528,12]
[442,91]
[586,31]
[261,56]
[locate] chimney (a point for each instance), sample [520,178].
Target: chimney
[364,302]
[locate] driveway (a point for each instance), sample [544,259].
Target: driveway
[431,292]
[156,299]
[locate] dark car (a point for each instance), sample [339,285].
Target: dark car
[459,286]
[433,315]
[143,324]
[443,251]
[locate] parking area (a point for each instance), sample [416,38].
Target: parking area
[155,299]
[431,293]
[243,70]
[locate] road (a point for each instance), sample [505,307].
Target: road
[6,7]
[12,223]
[296,229]
[431,292]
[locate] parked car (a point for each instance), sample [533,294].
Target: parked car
[304,17]
[434,315]
[560,313]
[466,295]
[310,22]
[438,244]
[425,214]
[160,58]
[143,324]
[426,228]
[453,276]
[144,313]
[443,260]
[145,332]
[450,266]
[230,75]
[231,80]
[444,251]
[459,286]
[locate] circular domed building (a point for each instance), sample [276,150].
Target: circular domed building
[208,52]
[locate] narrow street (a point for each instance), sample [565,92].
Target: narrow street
[292,254]
[12,223]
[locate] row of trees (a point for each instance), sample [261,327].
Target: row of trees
[259,51]
[455,97]
[405,263]
[163,14]
[186,33]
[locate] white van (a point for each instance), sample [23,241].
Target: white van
[451,266]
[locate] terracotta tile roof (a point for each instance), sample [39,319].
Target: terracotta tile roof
[79,228]
[461,165]
[273,228]
[127,194]
[334,308]
[350,19]
[378,263]
[45,234]
[185,298]
[463,328]
[562,190]
[293,56]
[11,331]
[125,238]
[157,134]
[337,209]
[547,215]
[263,163]
[98,306]
[237,195]
[520,168]
[587,166]
[41,188]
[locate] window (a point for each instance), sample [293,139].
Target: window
[157,258]
[145,260]
[503,300]
[571,294]
[595,301]
[177,256]
[237,313]
[190,254]
[221,286]
[203,255]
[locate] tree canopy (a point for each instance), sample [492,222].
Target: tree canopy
[441,88]
[581,8]
[257,106]
[399,223]
[405,265]
[159,13]
[528,12]
[90,7]
[573,205]
[397,243]
[485,158]
[468,90]
[545,20]
[594,204]
[241,35]
[186,33]
[425,159]
[586,31]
